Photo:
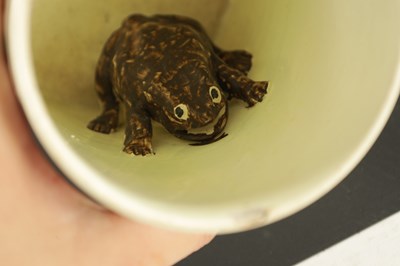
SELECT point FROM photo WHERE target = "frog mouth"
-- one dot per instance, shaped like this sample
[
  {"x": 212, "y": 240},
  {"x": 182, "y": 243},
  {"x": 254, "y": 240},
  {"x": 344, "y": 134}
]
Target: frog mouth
[
  {"x": 208, "y": 129},
  {"x": 208, "y": 133}
]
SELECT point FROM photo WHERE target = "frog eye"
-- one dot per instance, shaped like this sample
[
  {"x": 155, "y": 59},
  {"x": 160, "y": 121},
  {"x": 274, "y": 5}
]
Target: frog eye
[
  {"x": 181, "y": 112},
  {"x": 215, "y": 94}
]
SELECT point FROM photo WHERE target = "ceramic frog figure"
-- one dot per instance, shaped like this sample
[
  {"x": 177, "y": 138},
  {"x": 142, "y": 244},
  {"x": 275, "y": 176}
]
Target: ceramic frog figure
[{"x": 165, "y": 68}]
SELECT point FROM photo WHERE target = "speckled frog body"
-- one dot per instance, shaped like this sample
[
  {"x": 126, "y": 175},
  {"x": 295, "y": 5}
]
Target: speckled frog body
[{"x": 165, "y": 68}]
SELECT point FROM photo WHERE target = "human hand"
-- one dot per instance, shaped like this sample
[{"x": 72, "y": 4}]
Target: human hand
[{"x": 44, "y": 221}]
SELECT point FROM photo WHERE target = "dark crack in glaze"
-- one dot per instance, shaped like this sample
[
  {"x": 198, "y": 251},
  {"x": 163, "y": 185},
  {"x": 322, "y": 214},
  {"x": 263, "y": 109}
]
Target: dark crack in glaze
[{"x": 167, "y": 69}]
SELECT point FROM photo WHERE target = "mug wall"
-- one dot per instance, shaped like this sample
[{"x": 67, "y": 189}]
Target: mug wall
[{"x": 331, "y": 66}]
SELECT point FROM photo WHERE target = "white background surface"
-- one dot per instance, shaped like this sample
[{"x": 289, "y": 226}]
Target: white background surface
[{"x": 376, "y": 245}]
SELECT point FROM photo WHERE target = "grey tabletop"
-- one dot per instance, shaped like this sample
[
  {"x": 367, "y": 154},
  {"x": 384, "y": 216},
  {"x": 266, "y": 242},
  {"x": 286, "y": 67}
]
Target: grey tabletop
[{"x": 368, "y": 195}]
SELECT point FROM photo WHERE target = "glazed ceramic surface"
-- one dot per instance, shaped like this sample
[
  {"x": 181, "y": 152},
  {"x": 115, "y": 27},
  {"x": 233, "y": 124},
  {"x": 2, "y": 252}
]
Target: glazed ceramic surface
[{"x": 333, "y": 68}]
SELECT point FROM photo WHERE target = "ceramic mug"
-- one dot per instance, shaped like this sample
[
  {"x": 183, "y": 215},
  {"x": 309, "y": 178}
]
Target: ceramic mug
[{"x": 333, "y": 68}]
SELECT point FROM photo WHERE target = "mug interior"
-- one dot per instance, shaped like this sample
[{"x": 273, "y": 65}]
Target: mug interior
[{"x": 333, "y": 72}]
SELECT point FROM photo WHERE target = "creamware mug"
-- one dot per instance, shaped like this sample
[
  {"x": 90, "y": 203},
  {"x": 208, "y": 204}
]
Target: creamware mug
[{"x": 334, "y": 75}]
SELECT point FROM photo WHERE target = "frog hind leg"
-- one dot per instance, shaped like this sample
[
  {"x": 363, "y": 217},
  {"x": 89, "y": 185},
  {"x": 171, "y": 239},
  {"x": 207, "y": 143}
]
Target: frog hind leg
[
  {"x": 107, "y": 121},
  {"x": 237, "y": 59},
  {"x": 239, "y": 86}
]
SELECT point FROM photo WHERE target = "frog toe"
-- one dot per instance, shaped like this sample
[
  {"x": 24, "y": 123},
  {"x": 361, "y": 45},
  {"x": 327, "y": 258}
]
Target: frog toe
[
  {"x": 102, "y": 125},
  {"x": 139, "y": 147},
  {"x": 257, "y": 93}
]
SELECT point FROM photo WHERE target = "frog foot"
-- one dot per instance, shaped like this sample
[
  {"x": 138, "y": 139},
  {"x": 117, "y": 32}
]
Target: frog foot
[
  {"x": 141, "y": 146},
  {"x": 255, "y": 92},
  {"x": 105, "y": 123}
]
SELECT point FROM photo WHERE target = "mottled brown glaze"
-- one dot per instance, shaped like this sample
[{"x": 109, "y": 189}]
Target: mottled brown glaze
[{"x": 167, "y": 69}]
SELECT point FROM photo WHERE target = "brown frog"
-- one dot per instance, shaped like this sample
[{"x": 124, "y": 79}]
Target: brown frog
[{"x": 167, "y": 69}]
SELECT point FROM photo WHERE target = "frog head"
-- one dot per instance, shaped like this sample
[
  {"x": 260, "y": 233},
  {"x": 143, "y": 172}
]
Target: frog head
[
  {"x": 191, "y": 105},
  {"x": 201, "y": 120}
]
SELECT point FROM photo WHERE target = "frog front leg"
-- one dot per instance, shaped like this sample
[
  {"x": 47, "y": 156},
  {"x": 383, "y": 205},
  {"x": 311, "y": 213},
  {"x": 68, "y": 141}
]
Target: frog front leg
[
  {"x": 238, "y": 85},
  {"x": 138, "y": 132}
]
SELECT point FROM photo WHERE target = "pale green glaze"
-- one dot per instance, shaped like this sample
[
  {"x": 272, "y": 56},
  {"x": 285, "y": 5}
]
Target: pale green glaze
[{"x": 331, "y": 64}]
